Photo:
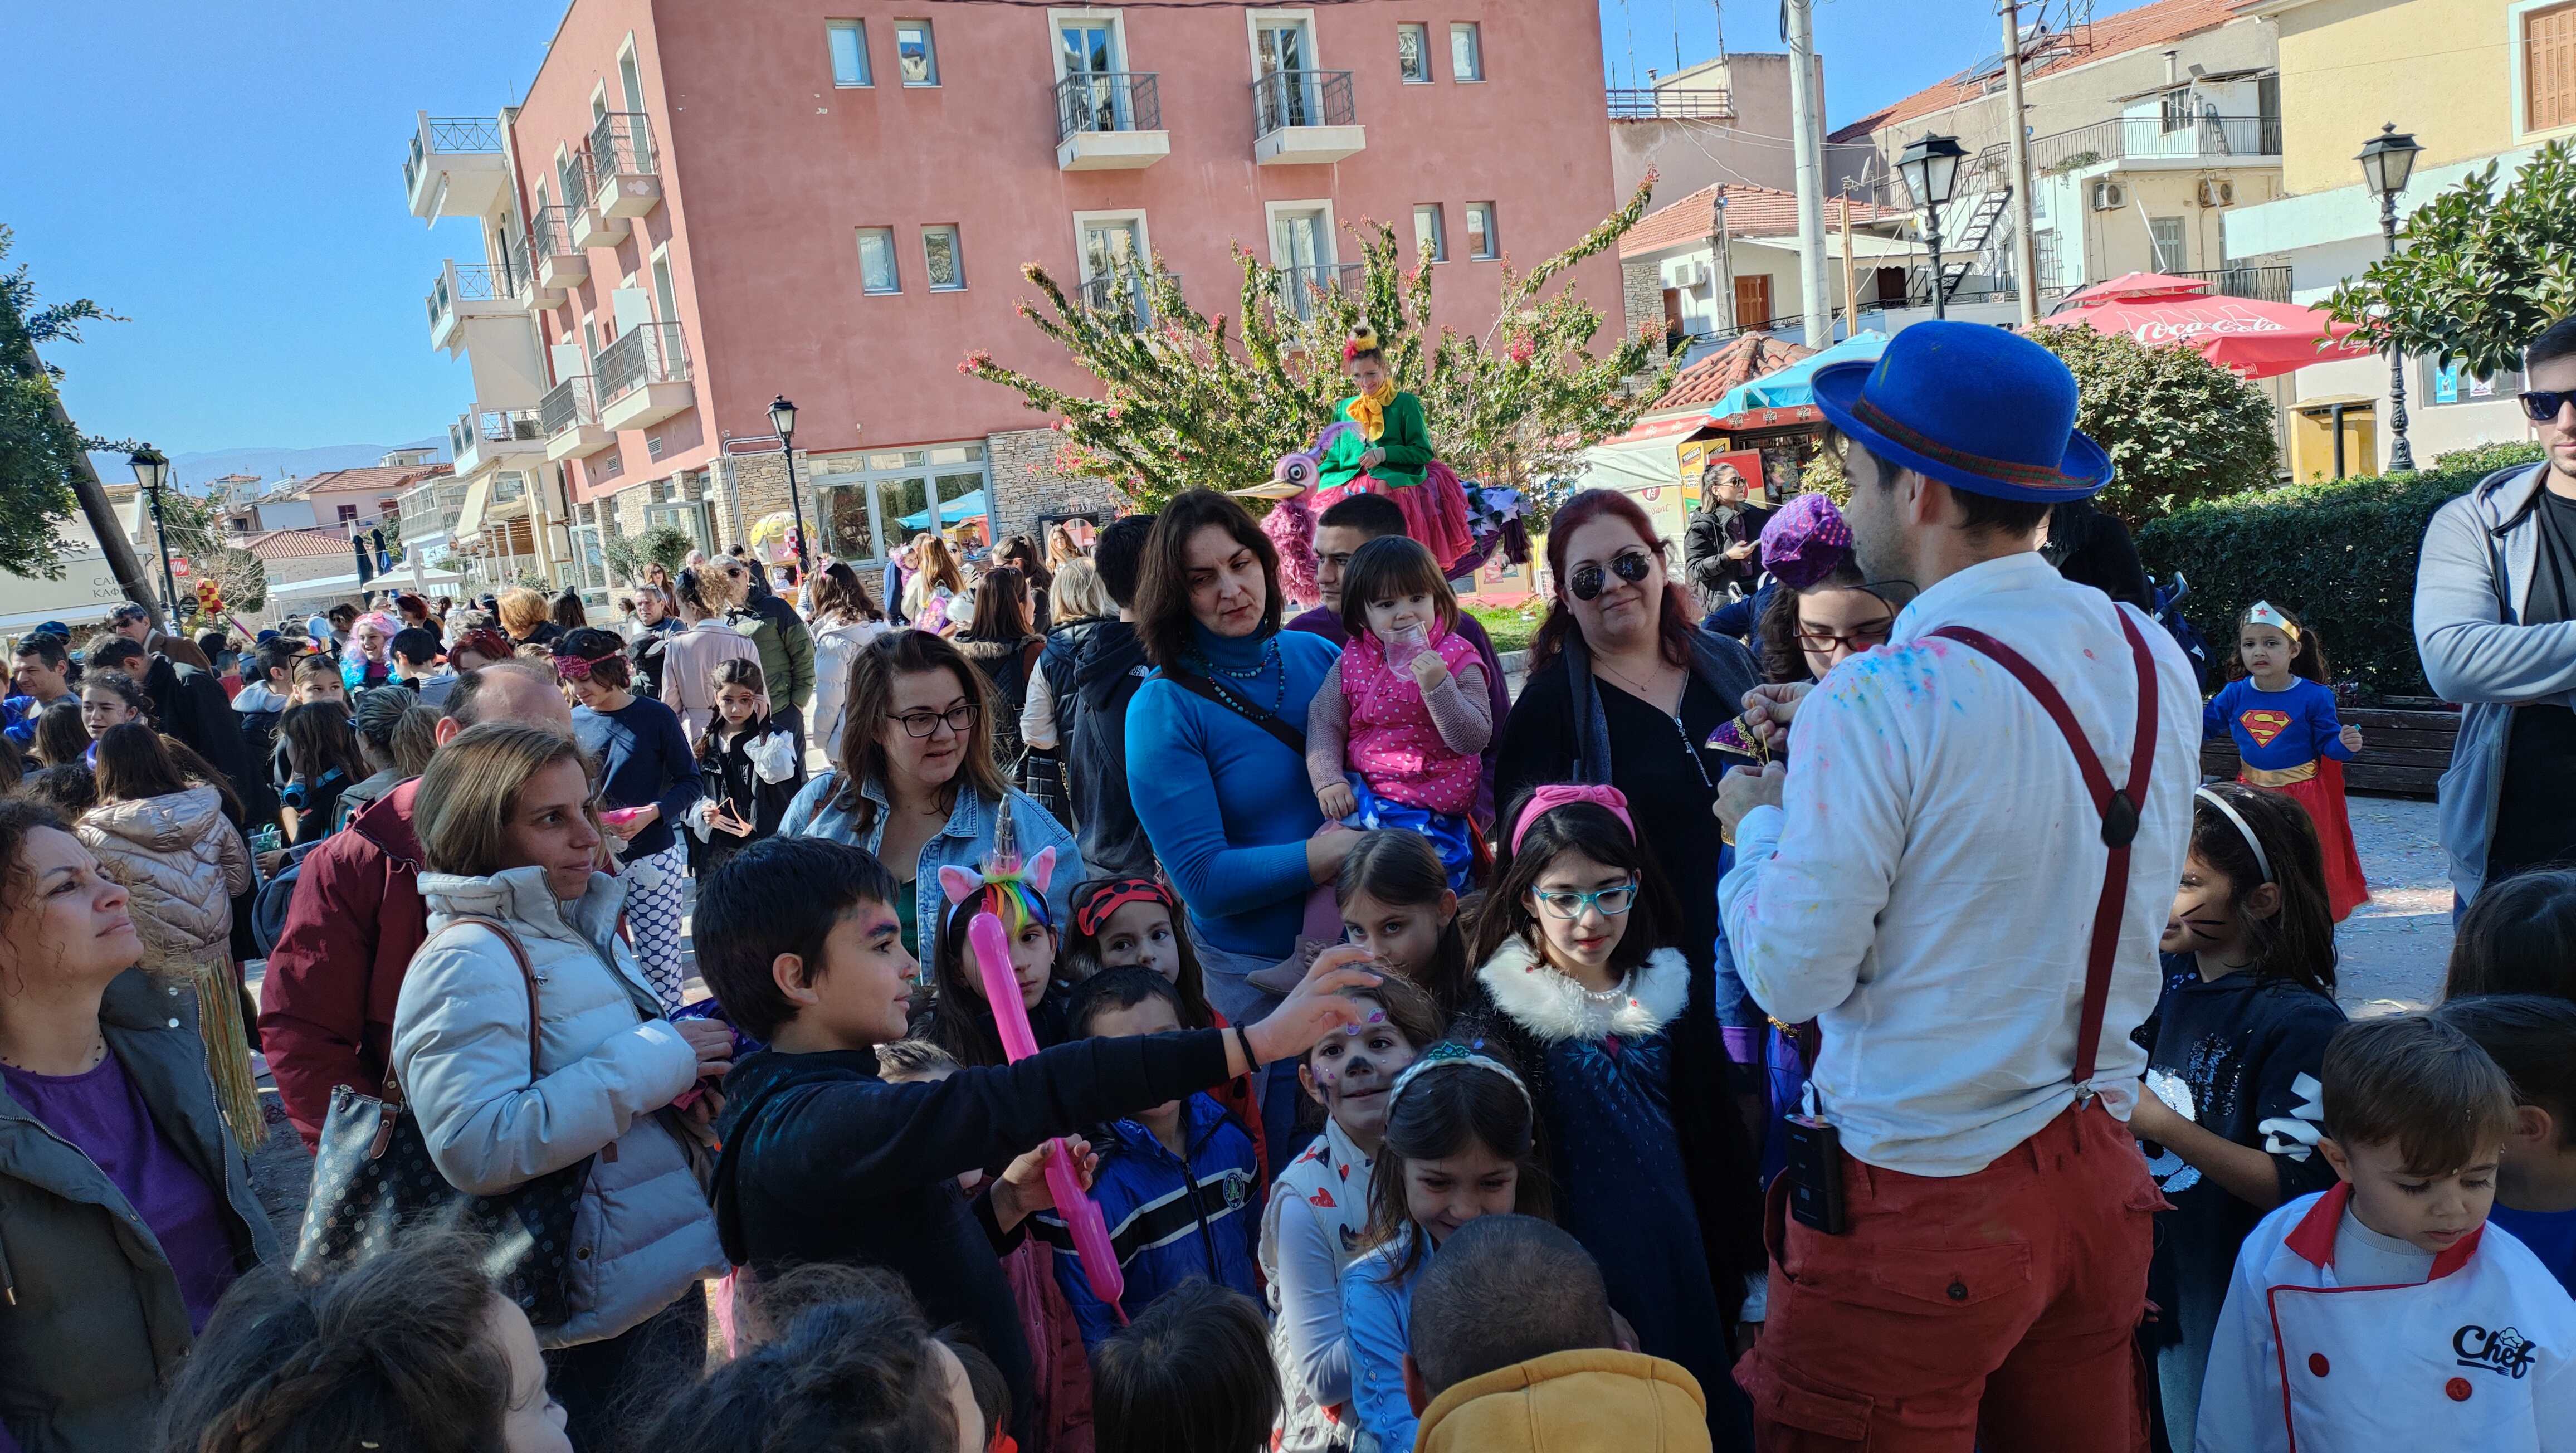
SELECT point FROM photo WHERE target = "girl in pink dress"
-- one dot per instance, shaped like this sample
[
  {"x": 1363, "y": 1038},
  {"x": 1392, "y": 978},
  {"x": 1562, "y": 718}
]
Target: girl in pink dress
[{"x": 1393, "y": 734}]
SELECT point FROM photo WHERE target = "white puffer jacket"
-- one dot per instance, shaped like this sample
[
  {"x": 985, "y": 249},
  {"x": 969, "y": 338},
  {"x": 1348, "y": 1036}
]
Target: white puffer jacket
[
  {"x": 835, "y": 647},
  {"x": 182, "y": 862},
  {"x": 606, "y": 1061}
]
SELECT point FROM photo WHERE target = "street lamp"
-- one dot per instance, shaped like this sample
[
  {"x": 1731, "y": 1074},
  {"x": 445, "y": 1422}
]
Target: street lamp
[
  {"x": 1930, "y": 166},
  {"x": 151, "y": 471},
  {"x": 2387, "y": 160},
  {"x": 782, "y": 417}
]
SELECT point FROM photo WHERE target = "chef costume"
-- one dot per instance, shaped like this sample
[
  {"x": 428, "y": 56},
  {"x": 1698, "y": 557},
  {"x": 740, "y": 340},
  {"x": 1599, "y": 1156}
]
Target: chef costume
[{"x": 2480, "y": 1356}]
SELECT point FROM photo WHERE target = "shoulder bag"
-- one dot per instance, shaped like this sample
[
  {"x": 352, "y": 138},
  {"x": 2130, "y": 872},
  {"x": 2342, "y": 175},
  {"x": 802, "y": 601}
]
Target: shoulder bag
[{"x": 373, "y": 1177}]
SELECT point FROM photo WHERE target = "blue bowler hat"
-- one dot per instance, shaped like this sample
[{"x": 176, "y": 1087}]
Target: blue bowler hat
[{"x": 1973, "y": 406}]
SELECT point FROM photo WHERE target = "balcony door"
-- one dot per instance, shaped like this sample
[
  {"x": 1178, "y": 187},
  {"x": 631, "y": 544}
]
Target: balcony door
[
  {"x": 1301, "y": 247},
  {"x": 1282, "y": 50},
  {"x": 1113, "y": 253},
  {"x": 1090, "y": 55}
]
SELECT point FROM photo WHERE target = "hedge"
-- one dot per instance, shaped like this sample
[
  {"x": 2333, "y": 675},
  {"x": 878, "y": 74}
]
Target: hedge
[{"x": 2340, "y": 553}]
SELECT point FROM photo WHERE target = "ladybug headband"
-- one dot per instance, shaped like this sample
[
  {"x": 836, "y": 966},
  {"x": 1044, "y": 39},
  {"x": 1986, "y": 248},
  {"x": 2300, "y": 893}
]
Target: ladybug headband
[
  {"x": 1363, "y": 339},
  {"x": 1092, "y": 912}
]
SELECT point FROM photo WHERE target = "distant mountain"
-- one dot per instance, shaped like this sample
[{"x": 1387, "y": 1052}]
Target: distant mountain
[{"x": 267, "y": 462}]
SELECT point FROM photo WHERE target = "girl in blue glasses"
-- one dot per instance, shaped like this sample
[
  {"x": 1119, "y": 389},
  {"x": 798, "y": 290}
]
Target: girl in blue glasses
[{"x": 1581, "y": 981}]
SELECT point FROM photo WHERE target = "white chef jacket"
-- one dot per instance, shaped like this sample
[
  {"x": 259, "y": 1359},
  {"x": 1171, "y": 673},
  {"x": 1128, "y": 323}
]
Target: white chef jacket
[{"x": 2481, "y": 1358}]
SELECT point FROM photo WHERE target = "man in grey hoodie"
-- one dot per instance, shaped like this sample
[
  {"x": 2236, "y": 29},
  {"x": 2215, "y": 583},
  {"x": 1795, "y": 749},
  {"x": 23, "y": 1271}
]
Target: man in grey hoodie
[{"x": 2495, "y": 621}]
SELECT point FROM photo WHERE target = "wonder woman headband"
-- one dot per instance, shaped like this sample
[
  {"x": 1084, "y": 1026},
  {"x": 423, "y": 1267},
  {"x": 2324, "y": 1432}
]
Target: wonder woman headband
[
  {"x": 2261, "y": 860},
  {"x": 2264, "y": 613},
  {"x": 1451, "y": 1052},
  {"x": 1107, "y": 898}
]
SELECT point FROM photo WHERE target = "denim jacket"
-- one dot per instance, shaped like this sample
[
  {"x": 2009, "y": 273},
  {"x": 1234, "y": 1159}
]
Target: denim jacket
[{"x": 963, "y": 843}]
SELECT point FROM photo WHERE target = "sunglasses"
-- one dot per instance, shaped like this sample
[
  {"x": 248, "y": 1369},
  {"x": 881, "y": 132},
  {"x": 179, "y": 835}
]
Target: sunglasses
[
  {"x": 2543, "y": 404},
  {"x": 1631, "y": 566}
]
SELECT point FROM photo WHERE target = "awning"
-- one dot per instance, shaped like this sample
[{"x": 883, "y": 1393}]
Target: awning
[
  {"x": 1789, "y": 387},
  {"x": 1664, "y": 428},
  {"x": 469, "y": 520},
  {"x": 964, "y": 507}
]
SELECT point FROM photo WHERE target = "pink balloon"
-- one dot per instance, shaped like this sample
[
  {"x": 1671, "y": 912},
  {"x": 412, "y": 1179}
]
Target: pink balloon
[{"x": 1081, "y": 1214}]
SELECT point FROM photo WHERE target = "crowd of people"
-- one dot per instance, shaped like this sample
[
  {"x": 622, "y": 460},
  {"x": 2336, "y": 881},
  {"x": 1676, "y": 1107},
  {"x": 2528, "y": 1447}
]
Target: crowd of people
[{"x": 1823, "y": 1007}]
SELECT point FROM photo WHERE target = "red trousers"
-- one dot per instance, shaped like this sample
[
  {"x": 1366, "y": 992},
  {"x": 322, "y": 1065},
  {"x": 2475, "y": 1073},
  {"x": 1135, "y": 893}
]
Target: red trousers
[{"x": 1991, "y": 1311}]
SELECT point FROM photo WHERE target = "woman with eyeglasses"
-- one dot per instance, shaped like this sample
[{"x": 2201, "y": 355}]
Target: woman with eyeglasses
[
  {"x": 1578, "y": 977},
  {"x": 1624, "y": 690},
  {"x": 915, "y": 782},
  {"x": 1819, "y": 612}
]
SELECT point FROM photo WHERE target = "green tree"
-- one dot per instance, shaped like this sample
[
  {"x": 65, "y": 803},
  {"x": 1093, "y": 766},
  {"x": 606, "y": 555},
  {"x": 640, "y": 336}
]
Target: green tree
[
  {"x": 663, "y": 545},
  {"x": 1189, "y": 399},
  {"x": 2178, "y": 427},
  {"x": 2482, "y": 270},
  {"x": 40, "y": 451}
]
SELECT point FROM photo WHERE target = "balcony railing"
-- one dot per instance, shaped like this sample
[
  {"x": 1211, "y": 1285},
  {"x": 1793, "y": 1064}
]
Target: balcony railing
[
  {"x": 449, "y": 133},
  {"x": 2263, "y": 284},
  {"x": 469, "y": 283},
  {"x": 2136, "y": 138},
  {"x": 550, "y": 234},
  {"x": 1712, "y": 104},
  {"x": 568, "y": 405},
  {"x": 620, "y": 145},
  {"x": 1107, "y": 101},
  {"x": 1126, "y": 290},
  {"x": 1283, "y": 99},
  {"x": 495, "y": 426},
  {"x": 649, "y": 353},
  {"x": 1301, "y": 287}
]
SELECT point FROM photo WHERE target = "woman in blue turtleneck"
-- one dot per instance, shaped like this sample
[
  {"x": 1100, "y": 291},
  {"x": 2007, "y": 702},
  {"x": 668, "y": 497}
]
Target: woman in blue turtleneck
[{"x": 1224, "y": 800}]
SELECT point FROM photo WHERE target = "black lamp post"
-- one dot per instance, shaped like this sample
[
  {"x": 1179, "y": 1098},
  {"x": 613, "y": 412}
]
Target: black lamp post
[
  {"x": 2387, "y": 160},
  {"x": 1930, "y": 166},
  {"x": 782, "y": 417},
  {"x": 151, "y": 471}
]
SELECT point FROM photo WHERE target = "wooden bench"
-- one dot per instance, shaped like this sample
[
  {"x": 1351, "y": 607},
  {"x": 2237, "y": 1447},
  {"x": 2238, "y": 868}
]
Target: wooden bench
[{"x": 2406, "y": 746}]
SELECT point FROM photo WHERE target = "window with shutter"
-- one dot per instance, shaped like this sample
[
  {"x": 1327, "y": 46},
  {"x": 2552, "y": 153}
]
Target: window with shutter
[{"x": 2549, "y": 68}]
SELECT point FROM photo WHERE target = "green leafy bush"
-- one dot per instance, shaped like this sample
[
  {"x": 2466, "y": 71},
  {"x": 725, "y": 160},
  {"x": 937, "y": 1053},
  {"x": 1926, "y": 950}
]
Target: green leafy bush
[
  {"x": 2341, "y": 553},
  {"x": 2178, "y": 427}
]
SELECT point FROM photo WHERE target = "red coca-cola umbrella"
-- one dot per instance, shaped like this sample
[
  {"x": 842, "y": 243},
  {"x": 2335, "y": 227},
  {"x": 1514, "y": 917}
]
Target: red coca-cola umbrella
[{"x": 2255, "y": 338}]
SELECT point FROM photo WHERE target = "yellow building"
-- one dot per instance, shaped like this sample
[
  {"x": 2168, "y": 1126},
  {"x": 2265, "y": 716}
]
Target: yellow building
[{"x": 2473, "y": 81}]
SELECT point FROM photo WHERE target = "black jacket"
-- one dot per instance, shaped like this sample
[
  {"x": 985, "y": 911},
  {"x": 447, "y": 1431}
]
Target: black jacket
[
  {"x": 1105, "y": 677},
  {"x": 1065, "y": 643},
  {"x": 731, "y": 779},
  {"x": 192, "y": 706},
  {"x": 1705, "y": 538},
  {"x": 824, "y": 1161},
  {"x": 1006, "y": 665}
]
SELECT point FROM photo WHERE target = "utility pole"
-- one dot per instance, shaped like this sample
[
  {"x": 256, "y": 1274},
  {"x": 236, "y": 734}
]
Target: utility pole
[
  {"x": 1851, "y": 294},
  {"x": 1721, "y": 287},
  {"x": 1797, "y": 18},
  {"x": 2025, "y": 248}
]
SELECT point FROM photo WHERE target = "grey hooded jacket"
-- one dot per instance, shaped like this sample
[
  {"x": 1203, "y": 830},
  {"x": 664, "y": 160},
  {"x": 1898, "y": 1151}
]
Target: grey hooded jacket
[
  {"x": 2471, "y": 585},
  {"x": 607, "y": 1063},
  {"x": 92, "y": 1326}
]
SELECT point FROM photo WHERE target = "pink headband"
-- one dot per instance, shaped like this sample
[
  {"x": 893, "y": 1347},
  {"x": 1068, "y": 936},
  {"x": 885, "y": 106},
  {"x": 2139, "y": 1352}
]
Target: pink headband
[{"x": 1547, "y": 799}]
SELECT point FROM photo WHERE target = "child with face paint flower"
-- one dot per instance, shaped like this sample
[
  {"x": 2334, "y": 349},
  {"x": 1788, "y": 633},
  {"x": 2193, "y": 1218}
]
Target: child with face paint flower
[{"x": 1317, "y": 1220}]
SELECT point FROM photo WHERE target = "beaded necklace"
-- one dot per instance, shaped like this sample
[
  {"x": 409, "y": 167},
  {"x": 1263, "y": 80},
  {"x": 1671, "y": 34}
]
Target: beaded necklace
[{"x": 1269, "y": 660}]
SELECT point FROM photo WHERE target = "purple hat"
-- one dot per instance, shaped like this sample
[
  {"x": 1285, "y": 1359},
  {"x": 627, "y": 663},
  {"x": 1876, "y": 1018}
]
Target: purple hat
[{"x": 1805, "y": 541}]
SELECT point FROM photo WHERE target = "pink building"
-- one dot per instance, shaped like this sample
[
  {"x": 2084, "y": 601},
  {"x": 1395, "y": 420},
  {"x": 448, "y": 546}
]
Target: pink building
[{"x": 702, "y": 206}]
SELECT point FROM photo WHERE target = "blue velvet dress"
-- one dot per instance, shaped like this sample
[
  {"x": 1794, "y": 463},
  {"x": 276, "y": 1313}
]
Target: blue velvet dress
[{"x": 1602, "y": 1071}]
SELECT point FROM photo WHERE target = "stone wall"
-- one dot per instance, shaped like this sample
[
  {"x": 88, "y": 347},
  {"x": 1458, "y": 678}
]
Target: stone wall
[
  {"x": 1026, "y": 486},
  {"x": 1641, "y": 287}
]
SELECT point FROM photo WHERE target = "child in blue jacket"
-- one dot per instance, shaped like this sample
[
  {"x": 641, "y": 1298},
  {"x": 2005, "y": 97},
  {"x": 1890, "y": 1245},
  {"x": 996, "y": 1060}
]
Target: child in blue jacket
[{"x": 1178, "y": 1184}]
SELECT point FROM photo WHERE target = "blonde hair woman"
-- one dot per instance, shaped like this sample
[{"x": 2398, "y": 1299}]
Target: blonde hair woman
[
  {"x": 526, "y": 615},
  {"x": 509, "y": 840},
  {"x": 935, "y": 577}
]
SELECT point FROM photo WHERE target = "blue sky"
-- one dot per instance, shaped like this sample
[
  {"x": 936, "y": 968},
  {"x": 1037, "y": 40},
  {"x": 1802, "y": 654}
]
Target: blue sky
[{"x": 228, "y": 177}]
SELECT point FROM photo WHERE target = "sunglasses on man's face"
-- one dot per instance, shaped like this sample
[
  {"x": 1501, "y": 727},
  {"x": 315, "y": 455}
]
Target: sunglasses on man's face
[
  {"x": 2543, "y": 404},
  {"x": 1631, "y": 566}
]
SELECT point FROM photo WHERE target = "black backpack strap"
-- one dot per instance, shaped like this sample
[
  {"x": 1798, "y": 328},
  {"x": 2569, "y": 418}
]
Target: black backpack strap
[{"x": 1192, "y": 682}]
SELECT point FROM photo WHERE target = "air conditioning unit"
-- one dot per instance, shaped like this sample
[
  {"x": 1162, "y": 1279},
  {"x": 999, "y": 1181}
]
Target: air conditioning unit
[
  {"x": 2109, "y": 196},
  {"x": 2216, "y": 193},
  {"x": 1691, "y": 275}
]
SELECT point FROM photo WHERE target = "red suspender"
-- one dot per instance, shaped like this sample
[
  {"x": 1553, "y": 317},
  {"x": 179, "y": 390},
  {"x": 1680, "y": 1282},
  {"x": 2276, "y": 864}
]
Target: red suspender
[{"x": 2119, "y": 810}]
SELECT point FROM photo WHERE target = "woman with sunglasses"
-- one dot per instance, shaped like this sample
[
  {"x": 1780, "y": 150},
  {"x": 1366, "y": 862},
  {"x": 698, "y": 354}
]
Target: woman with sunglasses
[
  {"x": 915, "y": 783},
  {"x": 1580, "y": 980},
  {"x": 1625, "y": 691}
]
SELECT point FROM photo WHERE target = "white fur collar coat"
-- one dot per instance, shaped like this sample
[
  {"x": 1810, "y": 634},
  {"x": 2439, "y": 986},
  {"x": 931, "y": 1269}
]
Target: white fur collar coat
[{"x": 1551, "y": 1006}]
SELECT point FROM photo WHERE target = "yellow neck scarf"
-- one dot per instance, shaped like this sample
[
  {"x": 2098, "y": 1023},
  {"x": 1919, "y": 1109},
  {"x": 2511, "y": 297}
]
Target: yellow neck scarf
[{"x": 1368, "y": 410}]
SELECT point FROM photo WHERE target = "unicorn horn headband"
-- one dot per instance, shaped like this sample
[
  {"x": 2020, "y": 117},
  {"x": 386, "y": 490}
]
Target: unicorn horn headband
[{"x": 2264, "y": 613}]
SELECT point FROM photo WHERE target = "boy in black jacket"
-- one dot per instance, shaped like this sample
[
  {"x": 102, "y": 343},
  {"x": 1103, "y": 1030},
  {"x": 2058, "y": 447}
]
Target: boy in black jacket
[{"x": 825, "y": 1161}]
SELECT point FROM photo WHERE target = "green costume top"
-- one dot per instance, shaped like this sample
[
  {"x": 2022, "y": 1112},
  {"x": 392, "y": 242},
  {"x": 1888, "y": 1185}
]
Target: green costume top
[{"x": 1406, "y": 442}]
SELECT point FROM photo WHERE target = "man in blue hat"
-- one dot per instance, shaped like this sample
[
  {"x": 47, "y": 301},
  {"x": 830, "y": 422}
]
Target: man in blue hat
[{"x": 1961, "y": 874}]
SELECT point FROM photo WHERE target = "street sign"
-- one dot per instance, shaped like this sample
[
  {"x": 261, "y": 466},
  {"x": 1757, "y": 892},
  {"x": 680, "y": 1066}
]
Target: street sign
[{"x": 178, "y": 564}]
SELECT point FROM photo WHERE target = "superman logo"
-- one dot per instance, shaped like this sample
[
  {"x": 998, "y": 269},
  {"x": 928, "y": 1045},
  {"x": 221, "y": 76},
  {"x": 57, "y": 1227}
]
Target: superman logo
[{"x": 2263, "y": 724}]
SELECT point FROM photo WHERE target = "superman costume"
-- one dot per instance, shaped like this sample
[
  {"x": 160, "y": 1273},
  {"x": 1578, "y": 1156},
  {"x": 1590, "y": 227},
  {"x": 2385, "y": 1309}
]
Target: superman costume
[{"x": 2291, "y": 742}]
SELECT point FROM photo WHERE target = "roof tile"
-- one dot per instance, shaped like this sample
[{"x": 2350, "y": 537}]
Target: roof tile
[
  {"x": 1751, "y": 211},
  {"x": 1748, "y": 357}
]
